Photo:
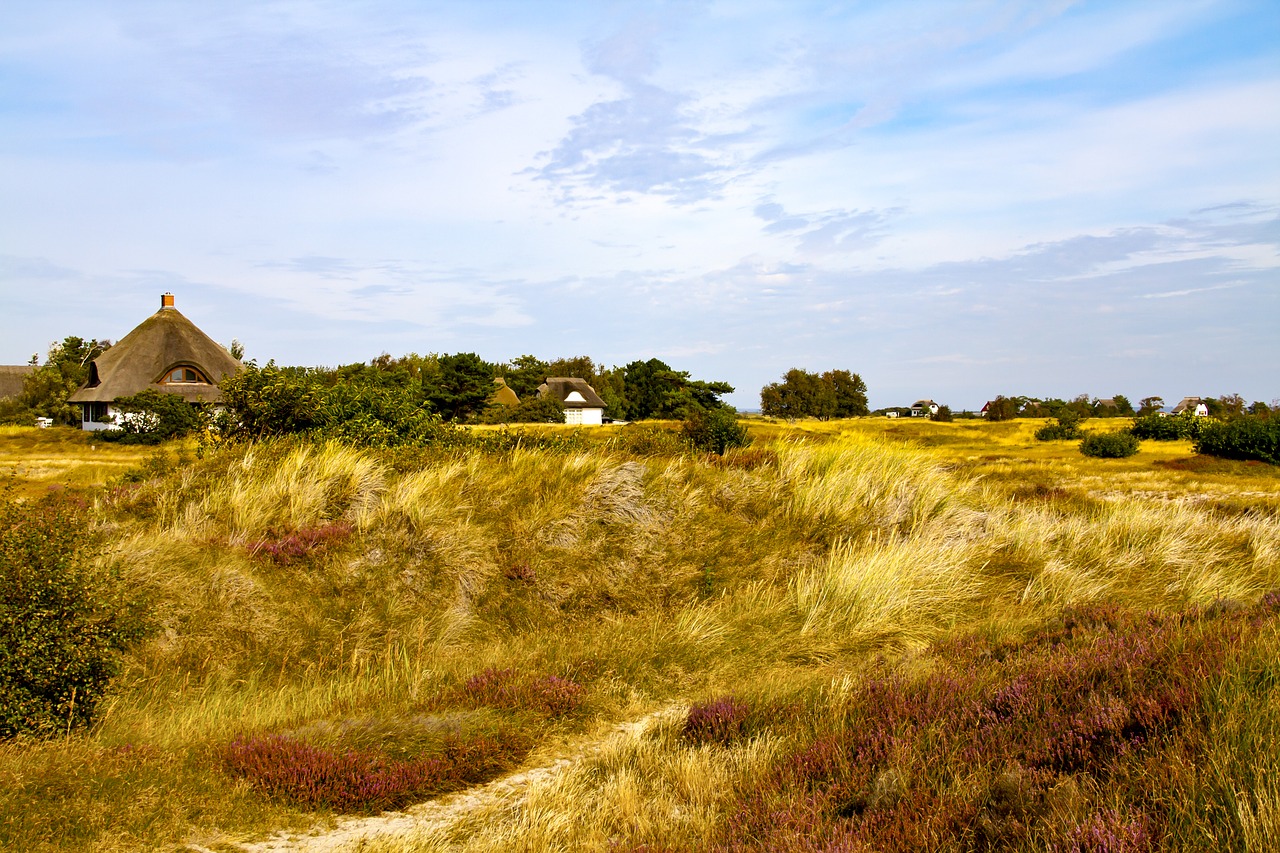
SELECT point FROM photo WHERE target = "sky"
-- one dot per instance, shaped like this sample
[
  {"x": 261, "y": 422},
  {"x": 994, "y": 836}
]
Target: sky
[{"x": 952, "y": 199}]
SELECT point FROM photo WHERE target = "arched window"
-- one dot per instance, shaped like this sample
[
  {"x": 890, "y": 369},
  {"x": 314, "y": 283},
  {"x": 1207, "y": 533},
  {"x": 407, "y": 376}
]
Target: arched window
[{"x": 183, "y": 374}]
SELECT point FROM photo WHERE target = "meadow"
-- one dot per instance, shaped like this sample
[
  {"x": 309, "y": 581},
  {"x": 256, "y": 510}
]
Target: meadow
[{"x": 863, "y": 635}]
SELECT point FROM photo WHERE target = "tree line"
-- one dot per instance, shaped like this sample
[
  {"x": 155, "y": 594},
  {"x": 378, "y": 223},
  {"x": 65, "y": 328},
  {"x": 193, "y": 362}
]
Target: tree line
[{"x": 1004, "y": 408}]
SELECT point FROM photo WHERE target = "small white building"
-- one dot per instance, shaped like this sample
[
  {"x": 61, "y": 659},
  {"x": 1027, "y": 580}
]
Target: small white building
[{"x": 582, "y": 405}]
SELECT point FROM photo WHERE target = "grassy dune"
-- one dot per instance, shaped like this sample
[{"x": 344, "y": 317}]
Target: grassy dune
[{"x": 882, "y": 629}]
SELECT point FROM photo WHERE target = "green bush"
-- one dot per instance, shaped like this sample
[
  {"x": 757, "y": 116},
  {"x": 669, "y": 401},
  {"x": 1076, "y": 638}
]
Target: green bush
[
  {"x": 62, "y": 622},
  {"x": 1066, "y": 429},
  {"x": 715, "y": 430},
  {"x": 151, "y": 417},
  {"x": 1242, "y": 438},
  {"x": 1169, "y": 427},
  {"x": 1109, "y": 445}
]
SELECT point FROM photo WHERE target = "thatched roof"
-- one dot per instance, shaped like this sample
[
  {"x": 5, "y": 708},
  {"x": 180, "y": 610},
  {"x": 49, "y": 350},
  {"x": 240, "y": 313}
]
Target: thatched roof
[
  {"x": 144, "y": 358},
  {"x": 1187, "y": 403},
  {"x": 503, "y": 395},
  {"x": 11, "y": 378},
  {"x": 561, "y": 387}
]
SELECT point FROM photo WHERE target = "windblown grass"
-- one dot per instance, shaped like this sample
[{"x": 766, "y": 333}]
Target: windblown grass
[{"x": 368, "y": 607}]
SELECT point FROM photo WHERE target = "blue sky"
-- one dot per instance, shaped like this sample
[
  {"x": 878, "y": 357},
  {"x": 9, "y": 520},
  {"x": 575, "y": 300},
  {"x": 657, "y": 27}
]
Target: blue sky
[{"x": 955, "y": 200}]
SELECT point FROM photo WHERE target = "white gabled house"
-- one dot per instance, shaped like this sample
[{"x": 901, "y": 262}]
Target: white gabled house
[
  {"x": 582, "y": 405},
  {"x": 923, "y": 408},
  {"x": 1195, "y": 405},
  {"x": 166, "y": 353}
]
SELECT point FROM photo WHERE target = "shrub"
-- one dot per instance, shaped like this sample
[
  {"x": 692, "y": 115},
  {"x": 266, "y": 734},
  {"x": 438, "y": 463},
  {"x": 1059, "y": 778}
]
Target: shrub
[
  {"x": 151, "y": 417},
  {"x": 717, "y": 721},
  {"x": 284, "y": 548},
  {"x": 62, "y": 622},
  {"x": 1169, "y": 428},
  {"x": 364, "y": 780},
  {"x": 534, "y": 410},
  {"x": 505, "y": 688},
  {"x": 715, "y": 430},
  {"x": 1109, "y": 445},
  {"x": 1066, "y": 429},
  {"x": 1101, "y": 696},
  {"x": 943, "y": 415},
  {"x": 1242, "y": 438}
]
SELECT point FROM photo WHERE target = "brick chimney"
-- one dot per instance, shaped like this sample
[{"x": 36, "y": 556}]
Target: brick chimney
[{"x": 166, "y": 300}]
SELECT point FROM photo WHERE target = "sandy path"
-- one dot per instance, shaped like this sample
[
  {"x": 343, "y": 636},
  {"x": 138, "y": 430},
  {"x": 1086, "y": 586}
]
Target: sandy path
[{"x": 440, "y": 813}]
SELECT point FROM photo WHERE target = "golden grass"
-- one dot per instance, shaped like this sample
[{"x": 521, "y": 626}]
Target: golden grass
[
  {"x": 651, "y": 580},
  {"x": 38, "y": 460}
]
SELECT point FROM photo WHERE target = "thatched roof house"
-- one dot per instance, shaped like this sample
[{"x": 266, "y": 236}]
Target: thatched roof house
[
  {"x": 12, "y": 377},
  {"x": 166, "y": 353},
  {"x": 503, "y": 394},
  {"x": 582, "y": 405},
  {"x": 1195, "y": 405}
]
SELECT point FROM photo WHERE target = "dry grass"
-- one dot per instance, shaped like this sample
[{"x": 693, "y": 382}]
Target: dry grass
[{"x": 775, "y": 574}]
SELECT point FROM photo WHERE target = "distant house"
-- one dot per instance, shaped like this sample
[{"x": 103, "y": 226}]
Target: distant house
[
  {"x": 1195, "y": 405},
  {"x": 166, "y": 353},
  {"x": 503, "y": 395},
  {"x": 582, "y": 405},
  {"x": 924, "y": 408},
  {"x": 12, "y": 377}
]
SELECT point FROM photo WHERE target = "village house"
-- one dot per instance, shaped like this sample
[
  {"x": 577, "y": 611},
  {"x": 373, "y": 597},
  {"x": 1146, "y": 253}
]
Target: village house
[
  {"x": 923, "y": 408},
  {"x": 166, "y": 353},
  {"x": 582, "y": 405},
  {"x": 1195, "y": 405}
]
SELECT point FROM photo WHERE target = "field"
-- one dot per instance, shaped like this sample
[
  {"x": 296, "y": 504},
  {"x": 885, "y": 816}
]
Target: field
[{"x": 863, "y": 635}]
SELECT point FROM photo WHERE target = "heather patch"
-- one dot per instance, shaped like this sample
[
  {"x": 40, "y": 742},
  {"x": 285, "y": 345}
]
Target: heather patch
[
  {"x": 510, "y": 690},
  {"x": 1054, "y": 742},
  {"x": 365, "y": 780},
  {"x": 285, "y": 547}
]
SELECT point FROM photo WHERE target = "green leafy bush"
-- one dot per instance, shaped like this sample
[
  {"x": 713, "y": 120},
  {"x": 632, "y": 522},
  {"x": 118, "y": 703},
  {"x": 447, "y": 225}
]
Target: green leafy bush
[
  {"x": 151, "y": 417},
  {"x": 1109, "y": 445},
  {"x": 1066, "y": 429},
  {"x": 533, "y": 410},
  {"x": 1242, "y": 438},
  {"x": 715, "y": 430},
  {"x": 1155, "y": 427},
  {"x": 62, "y": 622}
]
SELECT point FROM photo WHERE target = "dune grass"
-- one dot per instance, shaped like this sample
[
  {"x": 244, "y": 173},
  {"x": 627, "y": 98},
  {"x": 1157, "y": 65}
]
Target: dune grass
[{"x": 379, "y": 614}]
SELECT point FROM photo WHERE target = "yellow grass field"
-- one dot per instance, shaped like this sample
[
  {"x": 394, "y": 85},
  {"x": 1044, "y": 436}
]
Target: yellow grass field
[{"x": 361, "y": 601}]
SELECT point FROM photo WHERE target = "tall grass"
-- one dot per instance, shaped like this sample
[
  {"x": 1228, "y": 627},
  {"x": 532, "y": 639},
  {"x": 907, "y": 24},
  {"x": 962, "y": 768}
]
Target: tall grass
[{"x": 767, "y": 578}]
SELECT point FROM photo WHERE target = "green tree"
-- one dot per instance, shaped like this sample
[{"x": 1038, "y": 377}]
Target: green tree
[
  {"x": 463, "y": 387},
  {"x": 1123, "y": 407},
  {"x": 652, "y": 389},
  {"x": 1233, "y": 406},
  {"x": 800, "y": 394},
  {"x": 525, "y": 374},
  {"x": 45, "y": 391},
  {"x": 943, "y": 415},
  {"x": 850, "y": 393},
  {"x": 1150, "y": 405},
  {"x": 1002, "y": 408}
]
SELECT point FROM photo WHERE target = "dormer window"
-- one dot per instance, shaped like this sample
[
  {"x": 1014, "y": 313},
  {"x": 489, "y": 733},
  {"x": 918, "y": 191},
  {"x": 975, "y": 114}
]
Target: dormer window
[{"x": 185, "y": 375}]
